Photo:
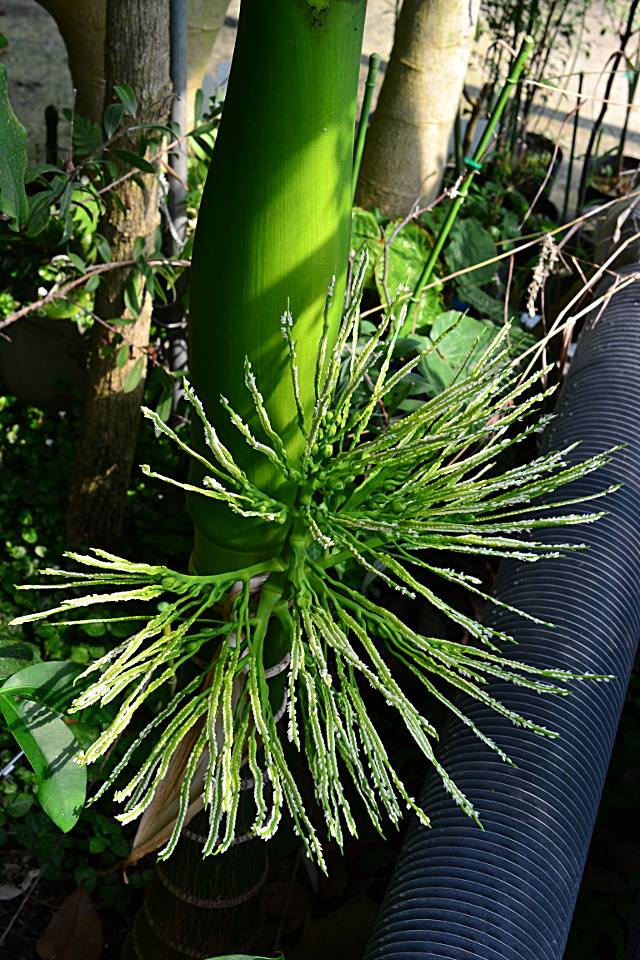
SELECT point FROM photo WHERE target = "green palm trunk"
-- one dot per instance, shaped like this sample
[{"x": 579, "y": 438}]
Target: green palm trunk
[{"x": 273, "y": 229}]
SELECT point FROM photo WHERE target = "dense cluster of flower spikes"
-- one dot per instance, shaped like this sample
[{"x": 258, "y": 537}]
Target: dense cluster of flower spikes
[{"x": 389, "y": 499}]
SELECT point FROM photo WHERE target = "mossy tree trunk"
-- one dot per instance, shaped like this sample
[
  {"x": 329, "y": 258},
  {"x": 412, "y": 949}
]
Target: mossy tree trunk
[
  {"x": 137, "y": 53},
  {"x": 406, "y": 150}
]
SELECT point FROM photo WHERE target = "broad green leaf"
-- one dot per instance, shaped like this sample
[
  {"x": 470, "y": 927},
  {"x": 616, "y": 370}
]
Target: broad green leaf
[
  {"x": 134, "y": 375},
  {"x": 123, "y": 354},
  {"x": 470, "y": 243},
  {"x": 34, "y": 173},
  {"x": 198, "y": 108},
  {"x": 132, "y": 292},
  {"x": 77, "y": 262},
  {"x": 398, "y": 270},
  {"x": 14, "y": 656},
  {"x": 17, "y": 804},
  {"x": 133, "y": 160},
  {"x": 70, "y": 308},
  {"x": 460, "y": 349},
  {"x": 13, "y": 157},
  {"x": 113, "y": 118},
  {"x": 481, "y": 301},
  {"x": 50, "y": 747},
  {"x": 127, "y": 97},
  {"x": 49, "y": 683},
  {"x": 164, "y": 407},
  {"x": 104, "y": 247},
  {"x": 457, "y": 351},
  {"x": 39, "y": 211}
]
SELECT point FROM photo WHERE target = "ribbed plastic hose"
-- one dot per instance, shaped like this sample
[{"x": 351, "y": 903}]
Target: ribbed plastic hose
[{"x": 509, "y": 892}]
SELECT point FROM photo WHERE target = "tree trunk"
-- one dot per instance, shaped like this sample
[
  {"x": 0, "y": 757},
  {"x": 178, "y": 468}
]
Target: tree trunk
[
  {"x": 205, "y": 19},
  {"x": 407, "y": 145},
  {"x": 82, "y": 25},
  {"x": 137, "y": 53}
]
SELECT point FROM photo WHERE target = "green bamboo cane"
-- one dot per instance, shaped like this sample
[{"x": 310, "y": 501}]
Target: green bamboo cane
[
  {"x": 361, "y": 136},
  {"x": 475, "y": 165},
  {"x": 273, "y": 229}
]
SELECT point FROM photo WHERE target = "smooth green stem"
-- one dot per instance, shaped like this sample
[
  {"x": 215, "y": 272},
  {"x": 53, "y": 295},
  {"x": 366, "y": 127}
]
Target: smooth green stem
[
  {"x": 274, "y": 565},
  {"x": 475, "y": 164},
  {"x": 274, "y": 228},
  {"x": 530, "y": 29},
  {"x": 361, "y": 136},
  {"x": 270, "y": 595}
]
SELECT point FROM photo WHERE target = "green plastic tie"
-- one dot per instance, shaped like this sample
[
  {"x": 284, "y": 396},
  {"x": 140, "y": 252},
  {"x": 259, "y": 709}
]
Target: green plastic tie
[{"x": 474, "y": 164}]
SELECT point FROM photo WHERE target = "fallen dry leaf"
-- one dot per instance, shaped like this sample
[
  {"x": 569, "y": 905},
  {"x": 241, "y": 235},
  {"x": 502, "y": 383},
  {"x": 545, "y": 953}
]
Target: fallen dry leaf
[{"x": 74, "y": 932}]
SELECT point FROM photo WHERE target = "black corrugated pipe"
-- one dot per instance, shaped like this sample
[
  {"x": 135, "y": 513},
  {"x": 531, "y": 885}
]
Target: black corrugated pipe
[{"x": 509, "y": 892}]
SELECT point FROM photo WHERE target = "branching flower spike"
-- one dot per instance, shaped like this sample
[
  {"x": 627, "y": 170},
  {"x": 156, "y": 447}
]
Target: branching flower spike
[{"x": 289, "y": 645}]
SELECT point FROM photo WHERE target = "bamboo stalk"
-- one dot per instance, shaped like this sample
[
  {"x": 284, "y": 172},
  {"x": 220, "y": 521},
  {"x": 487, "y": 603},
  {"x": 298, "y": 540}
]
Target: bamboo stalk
[
  {"x": 361, "y": 136},
  {"x": 475, "y": 164},
  {"x": 530, "y": 30}
]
